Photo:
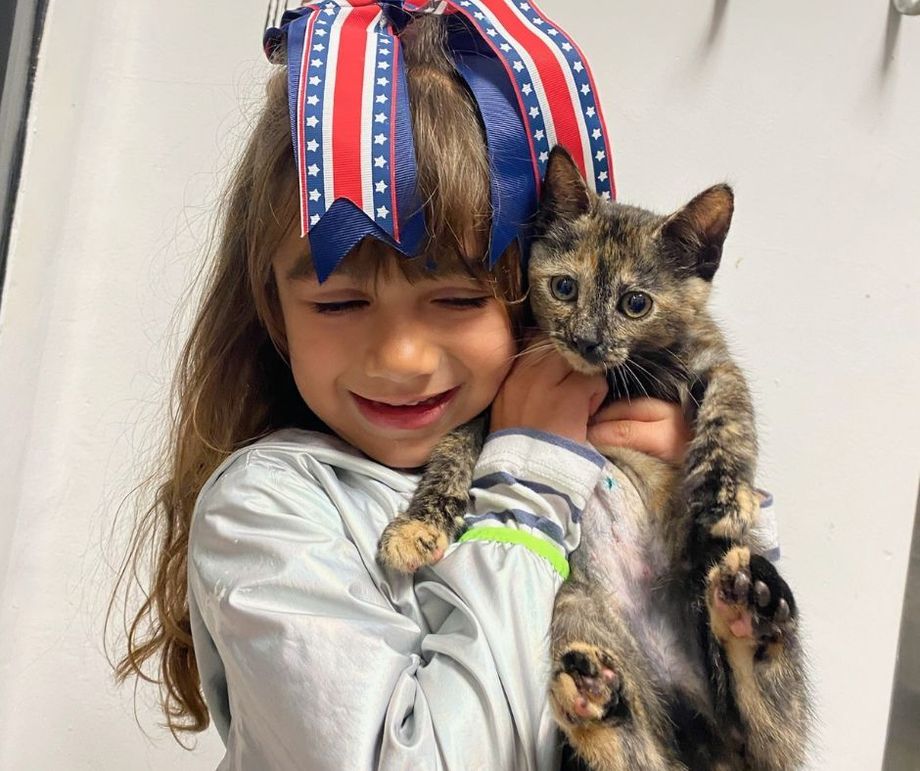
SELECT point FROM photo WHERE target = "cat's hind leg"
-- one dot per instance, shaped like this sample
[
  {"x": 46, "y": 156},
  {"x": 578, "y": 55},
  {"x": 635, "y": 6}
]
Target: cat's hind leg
[
  {"x": 601, "y": 693},
  {"x": 753, "y": 616}
]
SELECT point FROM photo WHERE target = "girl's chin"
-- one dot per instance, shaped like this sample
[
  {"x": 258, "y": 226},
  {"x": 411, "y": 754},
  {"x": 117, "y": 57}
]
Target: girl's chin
[
  {"x": 401, "y": 456},
  {"x": 401, "y": 450}
]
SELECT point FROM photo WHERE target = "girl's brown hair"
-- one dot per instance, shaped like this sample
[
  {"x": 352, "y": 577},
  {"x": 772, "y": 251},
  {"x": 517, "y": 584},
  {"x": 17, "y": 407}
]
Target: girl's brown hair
[{"x": 232, "y": 384}]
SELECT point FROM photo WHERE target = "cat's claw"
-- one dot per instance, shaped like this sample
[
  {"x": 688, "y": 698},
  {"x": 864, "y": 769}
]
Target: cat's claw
[
  {"x": 742, "y": 584},
  {"x": 782, "y": 612}
]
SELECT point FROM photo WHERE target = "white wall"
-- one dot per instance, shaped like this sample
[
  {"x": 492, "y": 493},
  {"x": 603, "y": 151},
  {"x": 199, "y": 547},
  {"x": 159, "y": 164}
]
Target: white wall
[{"x": 811, "y": 110}]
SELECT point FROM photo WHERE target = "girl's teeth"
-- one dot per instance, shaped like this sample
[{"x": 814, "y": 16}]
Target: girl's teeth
[{"x": 430, "y": 400}]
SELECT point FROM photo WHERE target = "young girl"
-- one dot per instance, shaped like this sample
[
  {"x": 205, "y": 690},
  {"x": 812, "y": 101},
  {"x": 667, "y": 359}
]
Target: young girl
[{"x": 305, "y": 411}]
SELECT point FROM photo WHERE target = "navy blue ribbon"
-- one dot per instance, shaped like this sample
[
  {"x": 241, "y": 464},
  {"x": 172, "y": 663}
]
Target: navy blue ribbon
[{"x": 530, "y": 82}]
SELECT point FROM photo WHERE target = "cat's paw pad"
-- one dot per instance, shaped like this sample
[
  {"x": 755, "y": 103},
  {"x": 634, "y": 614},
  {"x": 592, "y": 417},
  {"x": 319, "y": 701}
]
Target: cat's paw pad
[
  {"x": 748, "y": 600},
  {"x": 408, "y": 544},
  {"x": 586, "y": 686}
]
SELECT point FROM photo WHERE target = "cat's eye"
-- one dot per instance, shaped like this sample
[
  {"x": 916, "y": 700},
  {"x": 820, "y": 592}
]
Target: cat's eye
[
  {"x": 564, "y": 288},
  {"x": 635, "y": 304}
]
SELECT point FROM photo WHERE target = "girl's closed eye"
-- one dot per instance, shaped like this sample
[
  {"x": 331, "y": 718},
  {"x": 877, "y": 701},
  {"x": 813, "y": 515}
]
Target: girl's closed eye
[
  {"x": 461, "y": 296},
  {"x": 462, "y": 303},
  {"x": 340, "y": 306}
]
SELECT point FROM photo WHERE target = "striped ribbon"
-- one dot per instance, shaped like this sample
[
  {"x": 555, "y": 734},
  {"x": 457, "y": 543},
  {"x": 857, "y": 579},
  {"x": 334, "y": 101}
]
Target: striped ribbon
[{"x": 351, "y": 125}]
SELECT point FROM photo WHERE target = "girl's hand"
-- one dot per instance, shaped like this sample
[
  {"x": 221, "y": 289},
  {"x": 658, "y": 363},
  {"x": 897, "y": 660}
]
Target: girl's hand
[
  {"x": 544, "y": 393},
  {"x": 651, "y": 426}
]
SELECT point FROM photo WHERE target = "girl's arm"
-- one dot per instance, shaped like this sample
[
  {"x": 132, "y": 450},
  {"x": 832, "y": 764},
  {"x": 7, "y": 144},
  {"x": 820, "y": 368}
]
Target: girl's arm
[{"x": 312, "y": 658}]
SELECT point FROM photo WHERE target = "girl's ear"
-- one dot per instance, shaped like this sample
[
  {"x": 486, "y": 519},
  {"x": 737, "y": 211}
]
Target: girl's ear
[
  {"x": 696, "y": 232},
  {"x": 565, "y": 194}
]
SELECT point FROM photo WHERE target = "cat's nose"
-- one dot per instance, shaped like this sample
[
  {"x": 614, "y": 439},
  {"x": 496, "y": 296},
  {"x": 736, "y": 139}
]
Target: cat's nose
[{"x": 591, "y": 350}]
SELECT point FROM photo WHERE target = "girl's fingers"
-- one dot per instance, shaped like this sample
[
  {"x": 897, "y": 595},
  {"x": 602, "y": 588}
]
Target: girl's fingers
[
  {"x": 543, "y": 392},
  {"x": 631, "y": 434},
  {"x": 640, "y": 409},
  {"x": 665, "y": 439}
]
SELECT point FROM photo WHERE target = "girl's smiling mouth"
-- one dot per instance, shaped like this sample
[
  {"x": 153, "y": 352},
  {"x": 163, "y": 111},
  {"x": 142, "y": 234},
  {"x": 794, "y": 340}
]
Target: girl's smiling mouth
[{"x": 408, "y": 414}]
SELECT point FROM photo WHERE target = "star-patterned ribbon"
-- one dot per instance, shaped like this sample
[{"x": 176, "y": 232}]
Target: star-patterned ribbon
[{"x": 351, "y": 125}]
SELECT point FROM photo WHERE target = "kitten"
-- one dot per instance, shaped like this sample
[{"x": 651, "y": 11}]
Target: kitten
[
  {"x": 674, "y": 641},
  {"x": 677, "y": 647}
]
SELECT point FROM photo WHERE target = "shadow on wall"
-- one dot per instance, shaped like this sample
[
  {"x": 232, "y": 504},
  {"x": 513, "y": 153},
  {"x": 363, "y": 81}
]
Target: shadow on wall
[
  {"x": 891, "y": 41},
  {"x": 716, "y": 22}
]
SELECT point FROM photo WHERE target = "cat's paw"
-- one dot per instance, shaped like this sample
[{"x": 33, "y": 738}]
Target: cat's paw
[
  {"x": 409, "y": 544},
  {"x": 586, "y": 686},
  {"x": 750, "y": 605}
]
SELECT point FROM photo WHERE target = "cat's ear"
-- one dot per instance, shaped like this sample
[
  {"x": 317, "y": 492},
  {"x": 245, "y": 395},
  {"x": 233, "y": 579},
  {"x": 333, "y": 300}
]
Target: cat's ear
[
  {"x": 699, "y": 229},
  {"x": 565, "y": 193}
]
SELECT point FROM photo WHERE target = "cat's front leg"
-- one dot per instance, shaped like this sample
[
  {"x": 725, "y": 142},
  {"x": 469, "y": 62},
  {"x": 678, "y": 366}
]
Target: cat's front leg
[
  {"x": 719, "y": 468},
  {"x": 420, "y": 535},
  {"x": 601, "y": 694},
  {"x": 753, "y": 617}
]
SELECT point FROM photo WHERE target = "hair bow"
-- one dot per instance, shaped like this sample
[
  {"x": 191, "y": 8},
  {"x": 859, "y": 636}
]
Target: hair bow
[{"x": 352, "y": 131}]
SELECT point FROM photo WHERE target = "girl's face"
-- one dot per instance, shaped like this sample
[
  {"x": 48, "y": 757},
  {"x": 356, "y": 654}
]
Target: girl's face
[{"x": 392, "y": 366}]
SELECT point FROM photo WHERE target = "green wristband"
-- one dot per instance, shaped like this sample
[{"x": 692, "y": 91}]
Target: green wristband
[{"x": 509, "y": 535}]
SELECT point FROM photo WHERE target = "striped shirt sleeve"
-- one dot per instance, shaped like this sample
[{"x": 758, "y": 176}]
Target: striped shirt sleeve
[
  {"x": 529, "y": 489},
  {"x": 765, "y": 532}
]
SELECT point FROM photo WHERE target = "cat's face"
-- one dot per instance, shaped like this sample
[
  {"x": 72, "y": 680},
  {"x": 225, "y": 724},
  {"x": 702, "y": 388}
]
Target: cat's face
[{"x": 608, "y": 280}]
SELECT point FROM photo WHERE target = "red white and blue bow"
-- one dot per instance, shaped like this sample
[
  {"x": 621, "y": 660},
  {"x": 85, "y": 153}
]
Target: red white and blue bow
[{"x": 352, "y": 129}]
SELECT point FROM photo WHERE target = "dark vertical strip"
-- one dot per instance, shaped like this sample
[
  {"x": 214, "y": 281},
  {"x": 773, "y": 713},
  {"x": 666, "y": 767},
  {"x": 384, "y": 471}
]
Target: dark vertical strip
[
  {"x": 7, "y": 16},
  {"x": 20, "y": 58},
  {"x": 902, "y": 747}
]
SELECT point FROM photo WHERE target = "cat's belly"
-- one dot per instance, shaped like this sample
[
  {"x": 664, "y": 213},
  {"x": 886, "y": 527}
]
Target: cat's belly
[{"x": 622, "y": 552}]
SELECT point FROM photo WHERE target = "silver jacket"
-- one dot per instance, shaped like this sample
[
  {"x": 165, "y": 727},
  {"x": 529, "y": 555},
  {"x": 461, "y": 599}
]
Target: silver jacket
[{"x": 312, "y": 657}]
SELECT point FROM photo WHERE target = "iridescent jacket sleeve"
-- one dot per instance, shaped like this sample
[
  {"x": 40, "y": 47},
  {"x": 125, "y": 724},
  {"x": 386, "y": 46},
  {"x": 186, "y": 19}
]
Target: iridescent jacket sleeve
[{"x": 312, "y": 657}]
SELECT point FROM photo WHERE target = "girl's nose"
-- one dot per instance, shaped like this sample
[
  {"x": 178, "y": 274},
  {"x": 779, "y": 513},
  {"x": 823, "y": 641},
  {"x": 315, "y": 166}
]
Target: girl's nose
[{"x": 402, "y": 351}]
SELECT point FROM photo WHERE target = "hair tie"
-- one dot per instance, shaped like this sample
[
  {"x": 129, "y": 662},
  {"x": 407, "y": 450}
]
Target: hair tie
[{"x": 352, "y": 130}]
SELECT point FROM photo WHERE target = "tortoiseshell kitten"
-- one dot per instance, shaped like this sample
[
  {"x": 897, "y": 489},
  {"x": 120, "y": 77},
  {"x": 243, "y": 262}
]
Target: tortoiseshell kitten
[{"x": 674, "y": 641}]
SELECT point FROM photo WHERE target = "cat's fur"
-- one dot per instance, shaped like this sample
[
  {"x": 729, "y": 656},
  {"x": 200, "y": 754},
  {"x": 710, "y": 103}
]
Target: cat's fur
[{"x": 688, "y": 657}]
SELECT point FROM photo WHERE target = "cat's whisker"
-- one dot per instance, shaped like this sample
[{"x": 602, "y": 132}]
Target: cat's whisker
[
  {"x": 651, "y": 375},
  {"x": 540, "y": 349},
  {"x": 544, "y": 348},
  {"x": 689, "y": 377},
  {"x": 684, "y": 367},
  {"x": 617, "y": 375},
  {"x": 635, "y": 377},
  {"x": 541, "y": 353},
  {"x": 686, "y": 372}
]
